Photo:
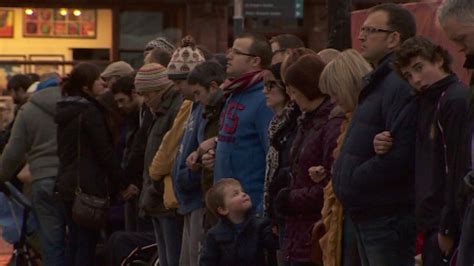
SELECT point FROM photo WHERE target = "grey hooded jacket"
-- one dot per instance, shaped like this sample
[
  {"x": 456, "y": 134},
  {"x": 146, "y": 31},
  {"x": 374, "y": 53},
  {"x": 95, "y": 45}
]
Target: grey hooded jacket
[{"x": 33, "y": 137}]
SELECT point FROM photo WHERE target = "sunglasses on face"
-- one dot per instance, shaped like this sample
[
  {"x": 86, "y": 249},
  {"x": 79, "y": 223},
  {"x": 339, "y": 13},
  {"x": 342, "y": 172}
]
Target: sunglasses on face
[{"x": 271, "y": 84}]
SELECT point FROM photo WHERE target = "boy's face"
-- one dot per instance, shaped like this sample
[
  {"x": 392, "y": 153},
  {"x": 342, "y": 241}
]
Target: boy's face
[
  {"x": 422, "y": 73},
  {"x": 236, "y": 201},
  {"x": 201, "y": 94}
]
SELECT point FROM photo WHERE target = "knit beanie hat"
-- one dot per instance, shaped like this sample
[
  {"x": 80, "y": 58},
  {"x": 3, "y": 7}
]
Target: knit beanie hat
[
  {"x": 160, "y": 42},
  {"x": 184, "y": 59},
  {"x": 119, "y": 68},
  {"x": 152, "y": 77}
]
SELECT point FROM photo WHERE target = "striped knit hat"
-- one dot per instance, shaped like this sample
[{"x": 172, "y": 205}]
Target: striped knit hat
[
  {"x": 152, "y": 77},
  {"x": 184, "y": 59}
]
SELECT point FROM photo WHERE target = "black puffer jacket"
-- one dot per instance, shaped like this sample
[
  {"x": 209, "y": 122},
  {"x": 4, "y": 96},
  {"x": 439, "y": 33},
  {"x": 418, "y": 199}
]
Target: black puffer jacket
[
  {"x": 362, "y": 180},
  {"x": 98, "y": 166}
]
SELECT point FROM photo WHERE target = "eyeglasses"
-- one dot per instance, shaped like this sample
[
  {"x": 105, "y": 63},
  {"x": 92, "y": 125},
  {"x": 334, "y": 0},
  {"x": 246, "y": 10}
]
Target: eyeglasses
[
  {"x": 233, "y": 51},
  {"x": 370, "y": 30}
]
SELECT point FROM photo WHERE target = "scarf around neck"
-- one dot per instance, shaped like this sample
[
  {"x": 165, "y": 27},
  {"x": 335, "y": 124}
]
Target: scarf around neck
[{"x": 241, "y": 83}]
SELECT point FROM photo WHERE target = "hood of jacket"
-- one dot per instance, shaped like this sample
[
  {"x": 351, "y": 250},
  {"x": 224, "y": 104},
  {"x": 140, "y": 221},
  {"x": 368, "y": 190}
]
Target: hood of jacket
[{"x": 47, "y": 99}]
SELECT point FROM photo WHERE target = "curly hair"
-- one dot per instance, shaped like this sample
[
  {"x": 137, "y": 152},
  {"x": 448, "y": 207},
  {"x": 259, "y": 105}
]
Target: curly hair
[{"x": 424, "y": 48}]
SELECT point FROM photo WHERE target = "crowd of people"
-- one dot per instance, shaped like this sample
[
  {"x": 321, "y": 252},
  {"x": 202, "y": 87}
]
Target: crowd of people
[{"x": 269, "y": 154}]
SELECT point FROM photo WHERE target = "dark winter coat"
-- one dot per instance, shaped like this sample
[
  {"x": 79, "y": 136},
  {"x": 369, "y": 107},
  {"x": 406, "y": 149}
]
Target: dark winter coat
[
  {"x": 135, "y": 159},
  {"x": 97, "y": 165},
  {"x": 368, "y": 184},
  {"x": 211, "y": 115},
  {"x": 435, "y": 190},
  {"x": 302, "y": 201},
  {"x": 131, "y": 127},
  {"x": 226, "y": 245},
  {"x": 151, "y": 197},
  {"x": 466, "y": 191}
]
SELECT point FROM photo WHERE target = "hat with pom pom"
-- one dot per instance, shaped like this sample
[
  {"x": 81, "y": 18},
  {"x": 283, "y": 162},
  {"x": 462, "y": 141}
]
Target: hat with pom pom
[{"x": 184, "y": 59}]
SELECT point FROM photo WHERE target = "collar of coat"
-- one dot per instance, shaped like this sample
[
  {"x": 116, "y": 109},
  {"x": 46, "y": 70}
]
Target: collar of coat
[
  {"x": 307, "y": 119},
  {"x": 225, "y": 230},
  {"x": 437, "y": 88},
  {"x": 469, "y": 63},
  {"x": 167, "y": 102},
  {"x": 382, "y": 70}
]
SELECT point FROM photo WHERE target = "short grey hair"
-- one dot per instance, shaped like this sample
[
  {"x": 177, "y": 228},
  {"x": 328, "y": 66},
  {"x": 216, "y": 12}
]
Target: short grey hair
[{"x": 463, "y": 10}]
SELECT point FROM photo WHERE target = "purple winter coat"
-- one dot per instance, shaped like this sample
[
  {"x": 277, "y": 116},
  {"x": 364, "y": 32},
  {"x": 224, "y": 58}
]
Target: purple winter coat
[{"x": 302, "y": 201}]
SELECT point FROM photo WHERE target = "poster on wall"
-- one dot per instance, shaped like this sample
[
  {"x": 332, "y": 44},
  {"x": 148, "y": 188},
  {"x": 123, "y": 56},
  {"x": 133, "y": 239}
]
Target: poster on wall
[
  {"x": 60, "y": 22},
  {"x": 11, "y": 68},
  {"x": 6, "y": 23},
  {"x": 41, "y": 69}
]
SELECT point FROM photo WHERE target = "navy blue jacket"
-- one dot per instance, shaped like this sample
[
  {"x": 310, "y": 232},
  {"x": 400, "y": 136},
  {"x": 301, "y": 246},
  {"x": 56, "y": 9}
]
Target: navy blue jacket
[
  {"x": 186, "y": 183},
  {"x": 229, "y": 246},
  {"x": 435, "y": 190},
  {"x": 366, "y": 182}
]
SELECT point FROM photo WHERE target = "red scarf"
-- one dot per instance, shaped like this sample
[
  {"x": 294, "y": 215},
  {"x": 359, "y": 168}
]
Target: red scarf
[{"x": 241, "y": 83}]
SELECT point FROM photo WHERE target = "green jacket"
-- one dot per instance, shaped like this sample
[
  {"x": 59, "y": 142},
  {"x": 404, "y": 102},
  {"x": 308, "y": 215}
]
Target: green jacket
[{"x": 151, "y": 197}]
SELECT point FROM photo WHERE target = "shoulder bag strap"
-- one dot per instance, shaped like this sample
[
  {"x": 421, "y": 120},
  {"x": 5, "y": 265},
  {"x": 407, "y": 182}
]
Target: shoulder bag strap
[{"x": 78, "y": 170}]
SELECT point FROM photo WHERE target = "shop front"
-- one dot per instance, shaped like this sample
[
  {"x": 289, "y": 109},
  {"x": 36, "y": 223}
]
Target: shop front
[{"x": 53, "y": 36}]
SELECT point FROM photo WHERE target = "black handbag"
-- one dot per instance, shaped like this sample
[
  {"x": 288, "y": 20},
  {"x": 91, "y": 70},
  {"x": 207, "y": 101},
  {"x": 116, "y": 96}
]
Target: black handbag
[{"x": 87, "y": 210}]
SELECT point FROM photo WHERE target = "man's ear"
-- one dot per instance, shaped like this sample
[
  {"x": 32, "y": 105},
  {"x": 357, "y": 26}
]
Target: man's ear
[
  {"x": 394, "y": 40},
  {"x": 213, "y": 87},
  {"x": 256, "y": 61},
  {"x": 222, "y": 211}
]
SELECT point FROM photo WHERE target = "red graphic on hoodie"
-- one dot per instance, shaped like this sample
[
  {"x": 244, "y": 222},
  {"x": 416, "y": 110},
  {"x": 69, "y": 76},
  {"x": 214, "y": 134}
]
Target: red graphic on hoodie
[{"x": 229, "y": 118}]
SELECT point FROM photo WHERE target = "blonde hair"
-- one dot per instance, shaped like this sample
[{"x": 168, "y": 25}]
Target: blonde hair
[
  {"x": 343, "y": 77},
  {"x": 328, "y": 54}
]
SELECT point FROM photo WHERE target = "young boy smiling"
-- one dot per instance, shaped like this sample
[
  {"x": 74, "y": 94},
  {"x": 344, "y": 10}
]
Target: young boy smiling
[{"x": 239, "y": 238}]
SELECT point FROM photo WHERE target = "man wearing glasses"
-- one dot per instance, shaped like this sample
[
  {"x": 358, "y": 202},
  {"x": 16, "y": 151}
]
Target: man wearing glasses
[
  {"x": 377, "y": 192},
  {"x": 282, "y": 45},
  {"x": 242, "y": 141}
]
